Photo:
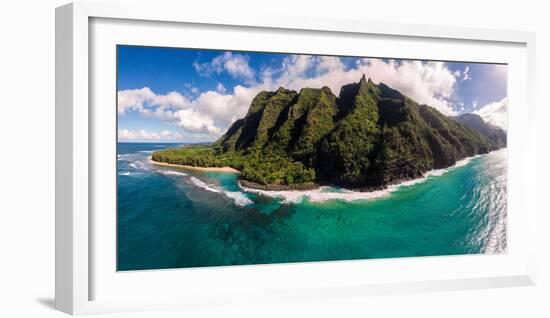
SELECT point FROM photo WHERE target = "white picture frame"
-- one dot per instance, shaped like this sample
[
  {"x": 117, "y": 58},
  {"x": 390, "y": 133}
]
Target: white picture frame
[{"x": 76, "y": 162}]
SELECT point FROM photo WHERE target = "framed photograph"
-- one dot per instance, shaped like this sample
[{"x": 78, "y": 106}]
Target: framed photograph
[{"x": 213, "y": 159}]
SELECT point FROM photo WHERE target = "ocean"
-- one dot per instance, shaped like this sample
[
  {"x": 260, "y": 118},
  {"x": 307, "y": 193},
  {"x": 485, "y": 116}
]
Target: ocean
[{"x": 175, "y": 218}]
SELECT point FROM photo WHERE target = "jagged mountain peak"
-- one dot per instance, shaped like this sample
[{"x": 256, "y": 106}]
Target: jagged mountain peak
[
  {"x": 363, "y": 80},
  {"x": 283, "y": 90}
]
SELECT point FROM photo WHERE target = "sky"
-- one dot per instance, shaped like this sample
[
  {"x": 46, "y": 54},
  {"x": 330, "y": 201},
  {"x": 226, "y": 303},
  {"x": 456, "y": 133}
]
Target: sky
[{"x": 194, "y": 95}]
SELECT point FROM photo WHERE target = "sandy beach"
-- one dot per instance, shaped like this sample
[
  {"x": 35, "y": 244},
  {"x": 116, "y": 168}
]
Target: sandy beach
[{"x": 217, "y": 169}]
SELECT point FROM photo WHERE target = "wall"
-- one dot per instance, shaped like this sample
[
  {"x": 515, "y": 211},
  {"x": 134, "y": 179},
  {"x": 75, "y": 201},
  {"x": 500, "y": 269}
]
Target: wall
[{"x": 27, "y": 160}]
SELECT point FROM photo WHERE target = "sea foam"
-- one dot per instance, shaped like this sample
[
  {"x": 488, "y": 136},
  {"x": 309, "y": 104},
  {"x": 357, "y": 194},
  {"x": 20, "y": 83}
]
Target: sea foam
[
  {"x": 172, "y": 173},
  {"x": 123, "y": 157},
  {"x": 138, "y": 165},
  {"x": 238, "y": 197},
  {"x": 319, "y": 195},
  {"x": 203, "y": 185}
]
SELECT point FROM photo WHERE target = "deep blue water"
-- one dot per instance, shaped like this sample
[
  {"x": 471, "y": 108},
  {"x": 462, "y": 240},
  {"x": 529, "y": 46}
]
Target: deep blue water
[{"x": 170, "y": 217}]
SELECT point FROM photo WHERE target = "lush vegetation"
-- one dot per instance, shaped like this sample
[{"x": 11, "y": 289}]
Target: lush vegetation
[
  {"x": 254, "y": 166},
  {"x": 198, "y": 156},
  {"x": 368, "y": 137}
]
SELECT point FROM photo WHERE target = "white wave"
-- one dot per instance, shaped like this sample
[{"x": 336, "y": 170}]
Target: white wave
[
  {"x": 240, "y": 198},
  {"x": 436, "y": 172},
  {"x": 124, "y": 173},
  {"x": 138, "y": 165},
  {"x": 147, "y": 151},
  {"x": 458, "y": 164},
  {"x": 123, "y": 157},
  {"x": 203, "y": 185},
  {"x": 172, "y": 173},
  {"x": 322, "y": 194},
  {"x": 465, "y": 161},
  {"x": 319, "y": 195}
]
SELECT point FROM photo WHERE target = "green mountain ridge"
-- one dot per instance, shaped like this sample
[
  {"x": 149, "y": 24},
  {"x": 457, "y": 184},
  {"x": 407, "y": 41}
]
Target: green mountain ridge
[
  {"x": 366, "y": 138},
  {"x": 495, "y": 134}
]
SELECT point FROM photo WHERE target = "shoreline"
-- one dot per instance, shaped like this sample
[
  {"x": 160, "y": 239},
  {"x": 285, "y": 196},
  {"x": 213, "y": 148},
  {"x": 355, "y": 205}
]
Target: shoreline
[
  {"x": 211, "y": 169},
  {"x": 323, "y": 193},
  {"x": 279, "y": 187}
]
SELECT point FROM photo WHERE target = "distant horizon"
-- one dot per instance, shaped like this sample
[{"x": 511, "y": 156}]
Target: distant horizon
[{"x": 173, "y": 95}]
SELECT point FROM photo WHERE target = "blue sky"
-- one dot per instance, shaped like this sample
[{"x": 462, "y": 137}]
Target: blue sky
[{"x": 191, "y": 95}]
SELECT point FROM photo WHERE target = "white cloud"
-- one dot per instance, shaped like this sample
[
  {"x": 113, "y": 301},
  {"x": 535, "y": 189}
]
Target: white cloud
[
  {"x": 172, "y": 108},
  {"x": 461, "y": 107},
  {"x": 465, "y": 75},
  {"x": 234, "y": 64},
  {"x": 329, "y": 64},
  {"x": 474, "y": 104},
  {"x": 137, "y": 99},
  {"x": 195, "y": 90},
  {"x": 430, "y": 83},
  {"x": 133, "y": 99},
  {"x": 237, "y": 66},
  {"x": 197, "y": 122},
  {"x": 212, "y": 112},
  {"x": 166, "y": 135},
  {"x": 190, "y": 89},
  {"x": 495, "y": 113},
  {"x": 220, "y": 88},
  {"x": 296, "y": 65}
]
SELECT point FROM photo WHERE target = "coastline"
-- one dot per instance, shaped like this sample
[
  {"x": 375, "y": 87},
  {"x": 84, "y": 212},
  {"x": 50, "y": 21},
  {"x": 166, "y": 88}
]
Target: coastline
[
  {"x": 321, "y": 193},
  {"x": 279, "y": 187},
  {"x": 211, "y": 169},
  {"x": 325, "y": 193}
]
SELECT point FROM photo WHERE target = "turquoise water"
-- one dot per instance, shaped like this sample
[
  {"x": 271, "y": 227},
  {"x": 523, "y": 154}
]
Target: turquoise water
[{"x": 173, "y": 218}]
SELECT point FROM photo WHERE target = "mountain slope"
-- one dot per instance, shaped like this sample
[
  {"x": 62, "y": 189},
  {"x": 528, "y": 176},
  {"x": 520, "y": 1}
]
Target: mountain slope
[
  {"x": 366, "y": 138},
  {"x": 496, "y": 135}
]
